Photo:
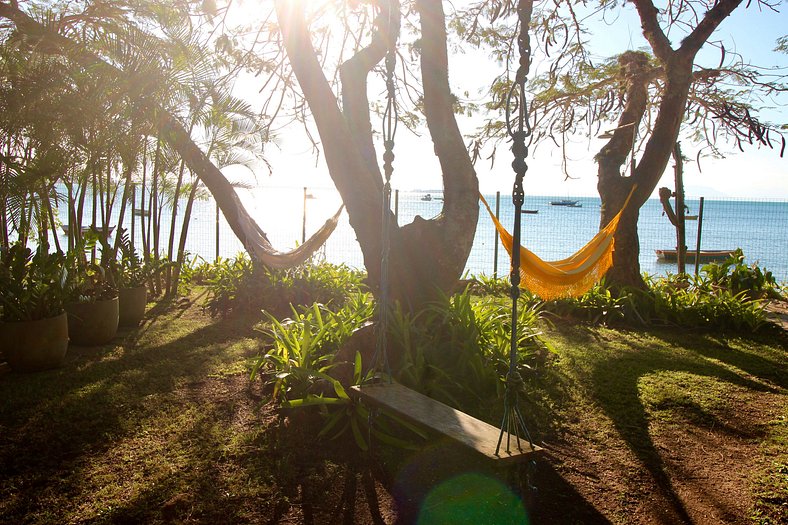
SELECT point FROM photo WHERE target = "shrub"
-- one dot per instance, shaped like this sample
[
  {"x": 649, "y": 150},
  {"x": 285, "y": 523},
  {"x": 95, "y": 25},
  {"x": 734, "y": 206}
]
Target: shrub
[
  {"x": 32, "y": 284},
  {"x": 303, "y": 347},
  {"x": 457, "y": 350},
  {"x": 237, "y": 284},
  {"x": 734, "y": 275},
  {"x": 686, "y": 301}
]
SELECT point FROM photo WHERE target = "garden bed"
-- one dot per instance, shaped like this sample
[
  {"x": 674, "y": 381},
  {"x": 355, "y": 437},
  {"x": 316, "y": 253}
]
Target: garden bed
[{"x": 164, "y": 425}]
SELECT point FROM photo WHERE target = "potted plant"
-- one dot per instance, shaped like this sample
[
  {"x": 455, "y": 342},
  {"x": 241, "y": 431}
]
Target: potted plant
[
  {"x": 131, "y": 275},
  {"x": 33, "y": 323},
  {"x": 92, "y": 305}
]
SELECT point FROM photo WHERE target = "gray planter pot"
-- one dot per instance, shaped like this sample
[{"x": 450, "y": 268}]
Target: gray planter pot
[
  {"x": 30, "y": 346},
  {"x": 91, "y": 324},
  {"x": 131, "y": 304}
]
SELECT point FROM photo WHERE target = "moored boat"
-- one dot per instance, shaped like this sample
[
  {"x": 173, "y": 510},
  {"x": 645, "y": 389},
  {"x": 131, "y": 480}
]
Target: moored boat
[
  {"x": 705, "y": 255},
  {"x": 567, "y": 202}
]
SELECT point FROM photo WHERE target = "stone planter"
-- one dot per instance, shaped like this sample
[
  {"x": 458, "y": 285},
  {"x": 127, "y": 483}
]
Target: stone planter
[
  {"x": 131, "y": 305},
  {"x": 30, "y": 346},
  {"x": 91, "y": 324}
]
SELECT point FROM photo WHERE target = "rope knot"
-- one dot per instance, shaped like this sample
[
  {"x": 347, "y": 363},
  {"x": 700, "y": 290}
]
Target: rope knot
[{"x": 514, "y": 381}]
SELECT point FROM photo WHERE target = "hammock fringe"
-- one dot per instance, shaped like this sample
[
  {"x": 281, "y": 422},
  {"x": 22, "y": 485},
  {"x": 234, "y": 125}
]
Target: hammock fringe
[{"x": 570, "y": 277}]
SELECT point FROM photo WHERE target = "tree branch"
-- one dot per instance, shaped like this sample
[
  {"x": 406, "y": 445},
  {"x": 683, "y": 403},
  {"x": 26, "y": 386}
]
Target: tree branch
[
  {"x": 653, "y": 31},
  {"x": 448, "y": 142},
  {"x": 353, "y": 74},
  {"x": 348, "y": 169},
  {"x": 713, "y": 18}
]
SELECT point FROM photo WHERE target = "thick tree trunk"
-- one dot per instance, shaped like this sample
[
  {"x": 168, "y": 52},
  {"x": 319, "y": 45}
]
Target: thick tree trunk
[
  {"x": 613, "y": 186},
  {"x": 427, "y": 257}
]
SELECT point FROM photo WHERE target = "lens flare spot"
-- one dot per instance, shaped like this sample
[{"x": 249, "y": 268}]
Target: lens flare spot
[{"x": 472, "y": 499}]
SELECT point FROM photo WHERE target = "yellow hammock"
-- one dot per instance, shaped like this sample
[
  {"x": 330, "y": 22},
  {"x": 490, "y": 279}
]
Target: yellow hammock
[{"x": 570, "y": 277}]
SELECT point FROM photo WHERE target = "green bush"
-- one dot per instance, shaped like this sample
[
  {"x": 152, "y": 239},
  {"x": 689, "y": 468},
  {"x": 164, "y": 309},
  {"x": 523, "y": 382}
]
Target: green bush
[
  {"x": 303, "y": 347},
  {"x": 457, "y": 350},
  {"x": 686, "y": 301},
  {"x": 32, "y": 284},
  {"x": 237, "y": 284},
  {"x": 736, "y": 276}
]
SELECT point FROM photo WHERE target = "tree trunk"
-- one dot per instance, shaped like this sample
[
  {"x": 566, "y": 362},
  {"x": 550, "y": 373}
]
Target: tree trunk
[
  {"x": 613, "y": 186},
  {"x": 427, "y": 257}
]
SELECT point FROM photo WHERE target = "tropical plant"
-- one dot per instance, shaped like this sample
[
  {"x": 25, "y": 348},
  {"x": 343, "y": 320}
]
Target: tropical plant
[
  {"x": 31, "y": 283},
  {"x": 128, "y": 269},
  {"x": 299, "y": 365},
  {"x": 457, "y": 351},
  {"x": 675, "y": 300},
  {"x": 734, "y": 275},
  {"x": 88, "y": 280},
  {"x": 237, "y": 284},
  {"x": 305, "y": 344}
]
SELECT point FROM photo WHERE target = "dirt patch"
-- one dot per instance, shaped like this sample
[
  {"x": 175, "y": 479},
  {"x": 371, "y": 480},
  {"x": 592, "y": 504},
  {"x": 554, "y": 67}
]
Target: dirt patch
[{"x": 188, "y": 444}]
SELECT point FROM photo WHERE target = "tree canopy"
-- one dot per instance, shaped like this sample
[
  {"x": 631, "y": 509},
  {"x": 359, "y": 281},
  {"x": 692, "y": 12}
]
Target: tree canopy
[{"x": 320, "y": 63}]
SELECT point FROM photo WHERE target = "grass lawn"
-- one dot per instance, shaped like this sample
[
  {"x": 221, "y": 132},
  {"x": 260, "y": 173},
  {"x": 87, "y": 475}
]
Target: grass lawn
[{"x": 164, "y": 426}]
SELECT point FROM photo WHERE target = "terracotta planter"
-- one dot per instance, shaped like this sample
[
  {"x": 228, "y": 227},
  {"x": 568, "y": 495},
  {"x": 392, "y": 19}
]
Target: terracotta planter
[
  {"x": 131, "y": 304},
  {"x": 91, "y": 324},
  {"x": 30, "y": 346}
]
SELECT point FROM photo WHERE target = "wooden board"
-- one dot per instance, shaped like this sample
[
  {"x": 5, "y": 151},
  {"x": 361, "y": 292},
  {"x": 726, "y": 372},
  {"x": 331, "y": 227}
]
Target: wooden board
[{"x": 443, "y": 419}]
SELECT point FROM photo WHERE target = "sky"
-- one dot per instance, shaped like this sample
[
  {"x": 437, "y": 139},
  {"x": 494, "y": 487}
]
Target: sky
[{"x": 751, "y": 32}]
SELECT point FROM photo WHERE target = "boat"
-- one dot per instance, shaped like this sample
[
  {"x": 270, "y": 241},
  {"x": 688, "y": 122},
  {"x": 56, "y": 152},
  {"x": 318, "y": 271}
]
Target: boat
[
  {"x": 426, "y": 197},
  {"x": 139, "y": 212},
  {"x": 567, "y": 202},
  {"x": 529, "y": 211},
  {"x": 705, "y": 255},
  {"x": 86, "y": 229},
  {"x": 690, "y": 217}
]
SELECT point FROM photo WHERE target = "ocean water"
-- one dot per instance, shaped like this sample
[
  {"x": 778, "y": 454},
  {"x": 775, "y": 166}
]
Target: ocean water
[
  {"x": 555, "y": 232},
  {"x": 757, "y": 227}
]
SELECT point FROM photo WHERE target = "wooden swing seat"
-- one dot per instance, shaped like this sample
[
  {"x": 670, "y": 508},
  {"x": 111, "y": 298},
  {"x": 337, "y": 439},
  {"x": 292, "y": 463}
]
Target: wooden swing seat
[{"x": 433, "y": 415}]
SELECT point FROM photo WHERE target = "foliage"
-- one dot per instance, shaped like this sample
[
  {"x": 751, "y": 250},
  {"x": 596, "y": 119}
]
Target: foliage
[
  {"x": 305, "y": 344},
  {"x": 236, "y": 284},
  {"x": 302, "y": 355},
  {"x": 457, "y": 350},
  {"x": 734, "y": 275},
  {"x": 489, "y": 285},
  {"x": 686, "y": 301},
  {"x": 88, "y": 280},
  {"x": 31, "y": 284},
  {"x": 129, "y": 269}
]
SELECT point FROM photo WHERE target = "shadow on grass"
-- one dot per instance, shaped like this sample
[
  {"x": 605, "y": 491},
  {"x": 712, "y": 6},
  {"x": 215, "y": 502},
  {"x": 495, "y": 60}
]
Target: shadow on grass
[
  {"x": 54, "y": 423},
  {"x": 615, "y": 371}
]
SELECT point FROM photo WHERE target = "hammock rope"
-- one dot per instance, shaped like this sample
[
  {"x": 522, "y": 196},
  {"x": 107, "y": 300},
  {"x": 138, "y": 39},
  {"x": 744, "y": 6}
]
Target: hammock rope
[
  {"x": 569, "y": 277},
  {"x": 258, "y": 241}
]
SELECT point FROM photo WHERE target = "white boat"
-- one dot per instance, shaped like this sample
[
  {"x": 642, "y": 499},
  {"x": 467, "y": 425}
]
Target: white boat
[{"x": 567, "y": 202}]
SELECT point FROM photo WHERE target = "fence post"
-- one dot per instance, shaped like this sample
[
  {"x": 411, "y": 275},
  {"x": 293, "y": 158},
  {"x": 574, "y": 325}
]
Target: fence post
[
  {"x": 495, "y": 245},
  {"x": 216, "y": 258},
  {"x": 700, "y": 229},
  {"x": 133, "y": 209},
  {"x": 681, "y": 237},
  {"x": 303, "y": 221}
]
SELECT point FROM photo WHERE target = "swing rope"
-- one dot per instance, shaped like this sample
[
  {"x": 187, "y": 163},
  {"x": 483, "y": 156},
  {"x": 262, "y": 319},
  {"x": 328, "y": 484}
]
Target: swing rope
[
  {"x": 519, "y": 129},
  {"x": 390, "y": 118}
]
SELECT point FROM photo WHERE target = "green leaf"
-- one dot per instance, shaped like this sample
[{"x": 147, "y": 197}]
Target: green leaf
[
  {"x": 357, "y": 369},
  {"x": 360, "y": 441},
  {"x": 311, "y": 400}
]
